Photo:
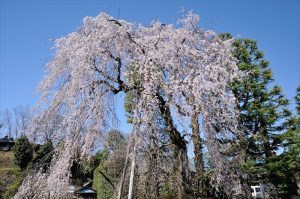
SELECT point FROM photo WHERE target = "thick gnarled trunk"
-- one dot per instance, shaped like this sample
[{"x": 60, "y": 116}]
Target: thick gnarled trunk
[
  {"x": 181, "y": 166},
  {"x": 200, "y": 189},
  {"x": 181, "y": 172}
]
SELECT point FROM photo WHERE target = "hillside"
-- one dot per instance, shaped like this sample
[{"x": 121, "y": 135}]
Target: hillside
[{"x": 10, "y": 175}]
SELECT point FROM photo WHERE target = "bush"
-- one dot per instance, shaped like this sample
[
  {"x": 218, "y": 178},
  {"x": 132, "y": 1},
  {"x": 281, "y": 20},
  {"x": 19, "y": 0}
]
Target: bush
[
  {"x": 23, "y": 152},
  {"x": 103, "y": 188},
  {"x": 43, "y": 153}
]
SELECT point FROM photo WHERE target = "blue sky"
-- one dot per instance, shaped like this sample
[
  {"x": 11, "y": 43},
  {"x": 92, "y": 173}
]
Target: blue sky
[{"x": 27, "y": 27}]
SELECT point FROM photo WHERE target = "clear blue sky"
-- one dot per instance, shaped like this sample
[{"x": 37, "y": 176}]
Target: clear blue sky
[{"x": 27, "y": 26}]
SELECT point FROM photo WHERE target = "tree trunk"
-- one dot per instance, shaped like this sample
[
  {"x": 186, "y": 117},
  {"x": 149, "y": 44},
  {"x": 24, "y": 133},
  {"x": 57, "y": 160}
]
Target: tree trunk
[
  {"x": 182, "y": 174},
  {"x": 181, "y": 166},
  {"x": 200, "y": 189},
  {"x": 154, "y": 173},
  {"x": 120, "y": 191},
  {"x": 132, "y": 173}
]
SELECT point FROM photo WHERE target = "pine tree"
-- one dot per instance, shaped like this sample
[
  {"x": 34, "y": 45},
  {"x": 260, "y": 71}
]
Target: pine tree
[
  {"x": 263, "y": 110},
  {"x": 286, "y": 166}
]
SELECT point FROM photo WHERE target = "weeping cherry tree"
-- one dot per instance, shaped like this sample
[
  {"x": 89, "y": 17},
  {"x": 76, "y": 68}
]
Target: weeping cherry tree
[{"x": 182, "y": 69}]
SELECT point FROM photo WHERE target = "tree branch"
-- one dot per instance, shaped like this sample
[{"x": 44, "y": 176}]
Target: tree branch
[
  {"x": 107, "y": 179},
  {"x": 174, "y": 134},
  {"x": 121, "y": 85},
  {"x": 128, "y": 34}
]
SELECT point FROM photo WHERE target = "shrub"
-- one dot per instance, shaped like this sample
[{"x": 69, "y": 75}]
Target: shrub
[
  {"x": 23, "y": 152},
  {"x": 43, "y": 154}
]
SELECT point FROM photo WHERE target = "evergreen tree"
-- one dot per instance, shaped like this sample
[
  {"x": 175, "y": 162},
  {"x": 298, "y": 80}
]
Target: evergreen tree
[
  {"x": 286, "y": 166},
  {"x": 263, "y": 110},
  {"x": 23, "y": 152},
  {"x": 103, "y": 188}
]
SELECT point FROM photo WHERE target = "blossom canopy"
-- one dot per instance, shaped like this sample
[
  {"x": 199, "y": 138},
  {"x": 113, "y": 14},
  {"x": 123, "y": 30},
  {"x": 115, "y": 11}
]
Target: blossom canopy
[{"x": 183, "y": 65}]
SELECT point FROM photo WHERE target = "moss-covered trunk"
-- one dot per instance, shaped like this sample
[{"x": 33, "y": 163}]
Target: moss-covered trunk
[{"x": 199, "y": 185}]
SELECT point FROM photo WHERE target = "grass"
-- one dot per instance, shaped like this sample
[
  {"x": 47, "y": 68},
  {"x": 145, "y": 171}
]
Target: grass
[
  {"x": 6, "y": 159},
  {"x": 11, "y": 175}
]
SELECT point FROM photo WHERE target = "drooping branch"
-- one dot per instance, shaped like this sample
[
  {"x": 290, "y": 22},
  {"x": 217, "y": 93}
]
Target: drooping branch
[
  {"x": 111, "y": 87},
  {"x": 105, "y": 75},
  {"x": 173, "y": 59},
  {"x": 128, "y": 34},
  {"x": 107, "y": 179}
]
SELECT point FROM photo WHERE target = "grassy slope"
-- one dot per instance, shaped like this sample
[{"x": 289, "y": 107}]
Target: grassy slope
[{"x": 10, "y": 175}]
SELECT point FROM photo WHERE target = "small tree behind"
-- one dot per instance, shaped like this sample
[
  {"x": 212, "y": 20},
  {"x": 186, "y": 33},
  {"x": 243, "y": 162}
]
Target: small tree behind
[
  {"x": 43, "y": 155},
  {"x": 23, "y": 152}
]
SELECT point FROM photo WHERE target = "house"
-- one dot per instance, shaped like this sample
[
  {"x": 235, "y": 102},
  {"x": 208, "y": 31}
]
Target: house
[
  {"x": 85, "y": 193},
  {"x": 6, "y": 143}
]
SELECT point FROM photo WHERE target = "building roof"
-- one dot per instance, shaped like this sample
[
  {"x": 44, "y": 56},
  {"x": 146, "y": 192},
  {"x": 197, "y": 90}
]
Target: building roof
[
  {"x": 86, "y": 190},
  {"x": 7, "y": 140}
]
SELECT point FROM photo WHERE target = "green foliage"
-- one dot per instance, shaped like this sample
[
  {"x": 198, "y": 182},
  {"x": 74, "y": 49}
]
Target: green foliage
[
  {"x": 43, "y": 154},
  {"x": 11, "y": 176},
  {"x": 12, "y": 189},
  {"x": 130, "y": 101},
  {"x": 286, "y": 166},
  {"x": 167, "y": 191},
  {"x": 110, "y": 164},
  {"x": 131, "y": 98},
  {"x": 297, "y": 100},
  {"x": 92, "y": 168},
  {"x": 103, "y": 188},
  {"x": 91, "y": 165},
  {"x": 23, "y": 152},
  {"x": 113, "y": 140},
  {"x": 14, "y": 186},
  {"x": 264, "y": 117}
]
